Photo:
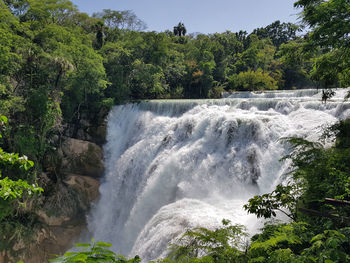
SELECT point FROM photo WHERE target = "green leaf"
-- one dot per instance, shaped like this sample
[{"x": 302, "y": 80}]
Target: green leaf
[
  {"x": 102, "y": 244},
  {"x": 82, "y": 245},
  {"x": 3, "y": 119}
]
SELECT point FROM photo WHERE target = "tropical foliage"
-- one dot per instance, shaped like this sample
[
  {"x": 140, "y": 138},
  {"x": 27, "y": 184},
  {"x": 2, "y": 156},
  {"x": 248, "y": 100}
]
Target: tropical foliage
[
  {"x": 94, "y": 252},
  {"x": 60, "y": 68}
]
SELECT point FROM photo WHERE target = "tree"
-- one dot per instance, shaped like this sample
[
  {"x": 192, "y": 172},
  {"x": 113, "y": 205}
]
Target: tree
[
  {"x": 329, "y": 21},
  {"x": 48, "y": 11},
  {"x": 280, "y": 243},
  {"x": 279, "y": 33},
  {"x": 252, "y": 80},
  {"x": 146, "y": 80},
  {"x": 329, "y": 68},
  {"x": 223, "y": 244},
  {"x": 320, "y": 230},
  {"x": 121, "y": 19},
  {"x": 180, "y": 30},
  {"x": 174, "y": 72},
  {"x": 297, "y": 63},
  {"x": 117, "y": 61},
  {"x": 17, "y": 7},
  {"x": 242, "y": 36},
  {"x": 99, "y": 27},
  {"x": 259, "y": 54},
  {"x": 317, "y": 173}
]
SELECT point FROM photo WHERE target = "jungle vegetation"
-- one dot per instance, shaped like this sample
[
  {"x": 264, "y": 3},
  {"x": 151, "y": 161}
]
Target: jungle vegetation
[{"x": 59, "y": 65}]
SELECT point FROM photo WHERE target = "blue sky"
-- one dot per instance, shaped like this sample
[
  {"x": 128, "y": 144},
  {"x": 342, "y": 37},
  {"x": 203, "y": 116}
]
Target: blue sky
[{"x": 205, "y": 16}]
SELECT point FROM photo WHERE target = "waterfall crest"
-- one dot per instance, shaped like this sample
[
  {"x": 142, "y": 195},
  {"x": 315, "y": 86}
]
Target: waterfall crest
[{"x": 178, "y": 164}]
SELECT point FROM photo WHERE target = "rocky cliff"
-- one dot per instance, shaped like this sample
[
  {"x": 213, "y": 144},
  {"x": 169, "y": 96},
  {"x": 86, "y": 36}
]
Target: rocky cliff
[{"x": 70, "y": 186}]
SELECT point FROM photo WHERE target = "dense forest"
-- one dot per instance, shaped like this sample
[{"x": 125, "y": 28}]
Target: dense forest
[{"x": 59, "y": 66}]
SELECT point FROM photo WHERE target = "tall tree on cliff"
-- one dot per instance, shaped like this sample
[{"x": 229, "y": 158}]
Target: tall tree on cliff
[{"x": 180, "y": 30}]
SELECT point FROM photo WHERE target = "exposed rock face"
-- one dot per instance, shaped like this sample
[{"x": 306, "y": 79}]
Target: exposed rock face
[
  {"x": 70, "y": 180},
  {"x": 89, "y": 131},
  {"x": 47, "y": 242},
  {"x": 52, "y": 220},
  {"x": 71, "y": 200},
  {"x": 86, "y": 186},
  {"x": 99, "y": 133},
  {"x": 81, "y": 157},
  {"x": 69, "y": 191}
]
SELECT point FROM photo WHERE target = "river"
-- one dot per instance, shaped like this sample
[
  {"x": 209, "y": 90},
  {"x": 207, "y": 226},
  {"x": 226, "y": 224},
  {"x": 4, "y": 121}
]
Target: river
[{"x": 172, "y": 165}]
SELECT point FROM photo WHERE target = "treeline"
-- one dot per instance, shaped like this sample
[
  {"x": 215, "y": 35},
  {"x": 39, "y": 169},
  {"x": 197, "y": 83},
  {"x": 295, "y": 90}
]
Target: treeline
[{"x": 58, "y": 65}]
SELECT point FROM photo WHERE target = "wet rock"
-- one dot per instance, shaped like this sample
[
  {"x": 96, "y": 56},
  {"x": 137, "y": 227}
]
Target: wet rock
[
  {"x": 52, "y": 220},
  {"x": 82, "y": 157},
  {"x": 46, "y": 244},
  {"x": 253, "y": 161},
  {"x": 86, "y": 186},
  {"x": 98, "y": 133},
  {"x": 84, "y": 123},
  {"x": 69, "y": 200},
  {"x": 62, "y": 219}
]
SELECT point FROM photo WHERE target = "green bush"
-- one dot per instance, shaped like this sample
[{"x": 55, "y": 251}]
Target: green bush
[
  {"x": 252, "y": 81},
  {"x": 94, "y": 252},
  {"x": 223, "y": 244},
  {"x": 13, "y": 187}
]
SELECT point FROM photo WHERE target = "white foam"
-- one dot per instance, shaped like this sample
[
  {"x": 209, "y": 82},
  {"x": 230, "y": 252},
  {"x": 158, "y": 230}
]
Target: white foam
[{"x": 173, "y": 165}]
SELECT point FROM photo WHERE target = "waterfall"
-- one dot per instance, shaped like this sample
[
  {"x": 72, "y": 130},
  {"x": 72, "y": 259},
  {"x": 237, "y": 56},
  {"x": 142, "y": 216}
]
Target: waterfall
[{"x": 172, "y": 165}]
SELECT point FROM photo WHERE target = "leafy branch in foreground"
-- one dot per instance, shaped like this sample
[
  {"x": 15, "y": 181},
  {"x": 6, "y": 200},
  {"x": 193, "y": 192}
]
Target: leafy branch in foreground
[
  {"x": 317, "y": 174},
  {"x": 280, "y": 242},
  {"x": 283, "y": 199},
  {"x": 13, "y": 187},
  {"x": 204, "y": 245},
  {"x": 94, "y": 252}
]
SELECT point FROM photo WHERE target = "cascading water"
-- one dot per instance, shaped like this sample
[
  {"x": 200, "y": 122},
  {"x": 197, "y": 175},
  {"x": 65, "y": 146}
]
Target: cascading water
[{"x": 180, "y": 164}]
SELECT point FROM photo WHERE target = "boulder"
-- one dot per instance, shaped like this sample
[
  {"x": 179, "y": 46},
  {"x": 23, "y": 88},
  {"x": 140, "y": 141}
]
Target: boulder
[
  {"x": 51, "y": 220},
  {"x": 82, "y": 157},
  {"x": 84, "y": 185},
  {"x": 98, "y": 133},
  {"x": 69, "y": 201},
  {"x": 47, "y": 243}
]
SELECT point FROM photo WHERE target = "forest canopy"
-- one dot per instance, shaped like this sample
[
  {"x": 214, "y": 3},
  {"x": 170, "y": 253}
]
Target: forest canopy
[{"x": 60, "y": 67}]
